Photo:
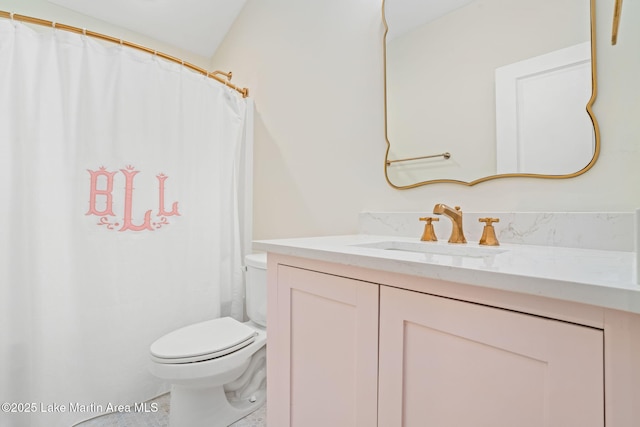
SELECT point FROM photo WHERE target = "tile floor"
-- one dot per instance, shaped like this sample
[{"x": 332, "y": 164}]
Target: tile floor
[{"x": 161, "y": 418}]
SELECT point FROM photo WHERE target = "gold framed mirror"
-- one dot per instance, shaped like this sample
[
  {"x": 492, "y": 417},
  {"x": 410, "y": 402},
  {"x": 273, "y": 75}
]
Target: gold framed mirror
[{"x": 483, "y": 89}]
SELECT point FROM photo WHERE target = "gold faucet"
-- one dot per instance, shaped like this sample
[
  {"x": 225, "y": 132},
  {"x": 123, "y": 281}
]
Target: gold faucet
[{"x": 455, "y": 215}]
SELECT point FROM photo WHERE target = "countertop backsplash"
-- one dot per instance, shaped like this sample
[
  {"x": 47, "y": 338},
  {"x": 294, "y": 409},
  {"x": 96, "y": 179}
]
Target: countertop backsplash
[{"x": 613, "y": 231}]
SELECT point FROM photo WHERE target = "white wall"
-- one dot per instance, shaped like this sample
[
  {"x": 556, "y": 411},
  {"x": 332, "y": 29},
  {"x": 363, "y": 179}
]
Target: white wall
[{"x": 315, "y": 71}]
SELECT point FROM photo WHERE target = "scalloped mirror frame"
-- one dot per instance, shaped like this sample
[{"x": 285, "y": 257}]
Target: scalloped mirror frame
[{"x": 589, "y": 110}]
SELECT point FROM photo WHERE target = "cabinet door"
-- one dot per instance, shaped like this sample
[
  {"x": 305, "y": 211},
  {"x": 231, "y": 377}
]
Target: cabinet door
[
  {"x": 327, "y": 350},
  {"x": 447, "y": 363}
]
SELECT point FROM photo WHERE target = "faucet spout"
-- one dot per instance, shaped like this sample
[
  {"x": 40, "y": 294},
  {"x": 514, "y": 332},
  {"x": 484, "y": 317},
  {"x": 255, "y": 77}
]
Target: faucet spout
[{"x": 455, "y": 215}]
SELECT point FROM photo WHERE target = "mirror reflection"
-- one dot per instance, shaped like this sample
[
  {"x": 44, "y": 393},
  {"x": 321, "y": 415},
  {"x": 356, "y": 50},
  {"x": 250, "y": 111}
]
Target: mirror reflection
[{"x": 488, "y": 87}]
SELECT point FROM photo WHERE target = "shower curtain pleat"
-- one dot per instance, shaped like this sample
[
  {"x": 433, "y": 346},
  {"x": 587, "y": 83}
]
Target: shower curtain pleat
[{"x": 121, "y": 186}]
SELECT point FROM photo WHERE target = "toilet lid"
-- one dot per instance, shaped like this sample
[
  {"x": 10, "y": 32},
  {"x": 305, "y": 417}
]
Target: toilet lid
[{"x": 202, "y": 341}]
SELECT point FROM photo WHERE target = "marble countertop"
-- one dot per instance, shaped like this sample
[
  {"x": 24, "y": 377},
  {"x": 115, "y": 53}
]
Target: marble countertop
[{"x": 598, "y": 277}]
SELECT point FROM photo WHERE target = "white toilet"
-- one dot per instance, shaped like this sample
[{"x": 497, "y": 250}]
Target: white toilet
[{"x": 217, "y": 368}]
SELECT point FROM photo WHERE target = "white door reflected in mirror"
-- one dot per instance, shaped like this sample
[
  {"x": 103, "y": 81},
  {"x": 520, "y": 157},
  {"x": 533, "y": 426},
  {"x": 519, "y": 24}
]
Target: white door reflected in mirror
[{"x": 541, "y": 124}]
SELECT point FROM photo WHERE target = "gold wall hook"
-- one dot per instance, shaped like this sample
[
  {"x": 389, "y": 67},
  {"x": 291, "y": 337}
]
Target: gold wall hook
[
  {"x": 489, "y": 233},
  {"x": 617, "y": 10},
  {"x": 429, "y": 234}
]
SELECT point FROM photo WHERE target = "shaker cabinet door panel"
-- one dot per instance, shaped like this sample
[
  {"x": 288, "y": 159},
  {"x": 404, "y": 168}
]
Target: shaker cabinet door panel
[
  {"x": 328, "y": 329},
  {"x": 447, "y": 363}
]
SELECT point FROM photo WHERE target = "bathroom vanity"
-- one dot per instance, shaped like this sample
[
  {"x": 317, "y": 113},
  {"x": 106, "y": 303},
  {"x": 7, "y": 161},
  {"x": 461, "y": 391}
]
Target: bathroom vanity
[{"x": 369, "y": 330}]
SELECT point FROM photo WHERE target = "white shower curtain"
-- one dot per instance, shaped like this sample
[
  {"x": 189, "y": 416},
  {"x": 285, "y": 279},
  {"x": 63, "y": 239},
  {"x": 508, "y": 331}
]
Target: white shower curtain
[{"x": 120, "y": 218}]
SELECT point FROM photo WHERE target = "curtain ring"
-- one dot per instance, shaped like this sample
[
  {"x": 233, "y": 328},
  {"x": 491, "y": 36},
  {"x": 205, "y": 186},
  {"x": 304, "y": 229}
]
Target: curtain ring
[
  {"x": 53, "y": 25},
  {"x": 11, "y": 15}
]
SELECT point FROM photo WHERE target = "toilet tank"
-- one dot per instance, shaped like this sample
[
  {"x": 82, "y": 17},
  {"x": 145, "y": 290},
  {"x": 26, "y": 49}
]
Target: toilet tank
[{"x": 256, "y": 288}]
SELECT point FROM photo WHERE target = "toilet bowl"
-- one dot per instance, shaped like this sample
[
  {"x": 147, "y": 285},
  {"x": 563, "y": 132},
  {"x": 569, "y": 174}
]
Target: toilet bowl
[{"x": 217, "y": 368}]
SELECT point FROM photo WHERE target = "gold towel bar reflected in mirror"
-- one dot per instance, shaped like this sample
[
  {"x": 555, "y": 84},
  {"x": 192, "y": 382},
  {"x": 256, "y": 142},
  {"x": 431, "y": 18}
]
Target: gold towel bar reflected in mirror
[{"x": 446, "y": 155}]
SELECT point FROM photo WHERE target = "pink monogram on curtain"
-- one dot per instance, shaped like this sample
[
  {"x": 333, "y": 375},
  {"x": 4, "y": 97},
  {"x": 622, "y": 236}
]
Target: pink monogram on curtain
[{"x": 106, "y": 194}]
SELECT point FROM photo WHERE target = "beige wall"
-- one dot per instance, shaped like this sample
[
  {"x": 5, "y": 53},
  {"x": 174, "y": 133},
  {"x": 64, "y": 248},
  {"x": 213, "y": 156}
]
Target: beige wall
[{"x": 314, "y": 69}]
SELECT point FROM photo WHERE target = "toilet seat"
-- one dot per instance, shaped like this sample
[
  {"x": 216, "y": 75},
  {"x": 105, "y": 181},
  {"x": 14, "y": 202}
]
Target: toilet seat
[{"x": 202, "y": 341}]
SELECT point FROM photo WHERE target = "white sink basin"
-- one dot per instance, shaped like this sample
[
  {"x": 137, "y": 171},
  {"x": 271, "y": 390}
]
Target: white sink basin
[{"x": 463, "y": 250}]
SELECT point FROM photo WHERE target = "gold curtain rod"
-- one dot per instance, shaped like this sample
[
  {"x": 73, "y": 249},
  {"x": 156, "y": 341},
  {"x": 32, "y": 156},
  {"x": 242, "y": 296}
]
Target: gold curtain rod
[
  {"x": 211, "y": 74},
  {"x": 446, "y": 155}
]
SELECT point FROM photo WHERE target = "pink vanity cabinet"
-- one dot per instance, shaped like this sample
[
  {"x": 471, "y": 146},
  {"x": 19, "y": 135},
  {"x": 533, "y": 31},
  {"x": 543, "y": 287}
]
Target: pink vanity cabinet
[
  {"x": 357, "y": 347},
  {"x": 445, "y": 362},
  {"x": 324, "y": 357}
]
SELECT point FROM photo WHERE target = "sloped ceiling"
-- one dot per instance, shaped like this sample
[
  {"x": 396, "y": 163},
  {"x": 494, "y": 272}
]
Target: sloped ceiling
[
  {"x": 197, "y": 26},
  {"x": 404, "y": 15}
]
